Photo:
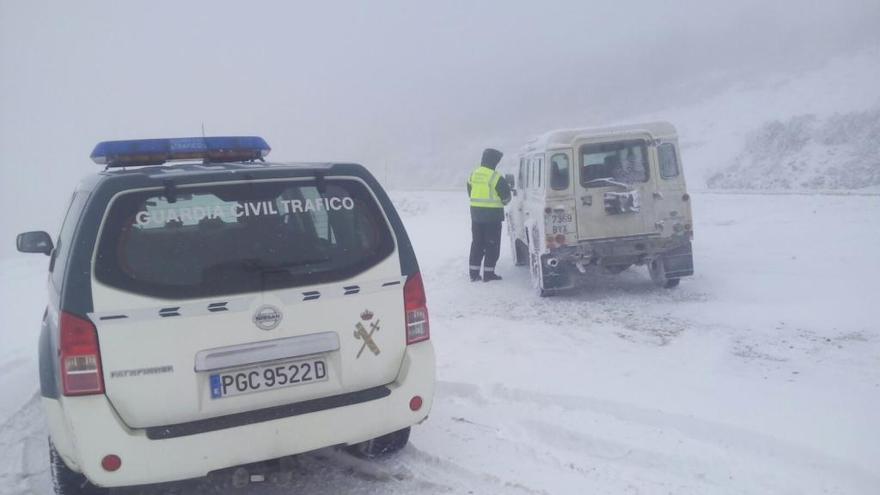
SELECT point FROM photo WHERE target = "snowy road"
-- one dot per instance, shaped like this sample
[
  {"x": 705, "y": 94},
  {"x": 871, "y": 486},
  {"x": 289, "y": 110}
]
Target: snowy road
[{"x": 761, "y": 374}]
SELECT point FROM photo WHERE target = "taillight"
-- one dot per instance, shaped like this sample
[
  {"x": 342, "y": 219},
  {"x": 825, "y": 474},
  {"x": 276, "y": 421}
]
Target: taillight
[
  {"x": 80, "y": 357},
  {"x": 415, "y": 306}
]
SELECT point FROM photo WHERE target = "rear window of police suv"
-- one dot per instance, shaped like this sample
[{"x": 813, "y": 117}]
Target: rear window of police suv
[{"x": 213, "y": 240}]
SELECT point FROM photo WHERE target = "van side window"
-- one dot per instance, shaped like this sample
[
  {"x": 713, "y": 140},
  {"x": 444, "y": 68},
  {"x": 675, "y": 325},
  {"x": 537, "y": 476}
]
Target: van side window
[
  {"x": 540, "y": 171},
  {"x": 534, "y": 165},
  {"x": 559, "y": 172},
  {"x": 58, "y": 263},
  {"x": 529, "y": 180},
  {"x": 668, "y": 160},
  {"x": 528, "y": 173}
]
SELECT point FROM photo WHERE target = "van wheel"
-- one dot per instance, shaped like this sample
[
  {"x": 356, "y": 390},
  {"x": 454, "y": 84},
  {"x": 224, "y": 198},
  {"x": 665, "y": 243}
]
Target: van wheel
[
  {"x": 520, "y": 253},
  {"x": 66, "y": 481},
  {"x": 658, "y": 274},
  {"x": 380, "y": 446}
]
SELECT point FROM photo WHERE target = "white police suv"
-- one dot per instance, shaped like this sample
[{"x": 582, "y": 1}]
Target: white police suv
[{"x": 225, "y": 311}]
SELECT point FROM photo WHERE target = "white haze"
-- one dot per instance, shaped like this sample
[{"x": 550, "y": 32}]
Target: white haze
[{"x": 397, "y": 86}]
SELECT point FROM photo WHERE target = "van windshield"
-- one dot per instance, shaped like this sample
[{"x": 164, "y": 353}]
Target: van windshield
[
  {"x": 624, "y": 162},
  {"x": 246, "y": 237}
]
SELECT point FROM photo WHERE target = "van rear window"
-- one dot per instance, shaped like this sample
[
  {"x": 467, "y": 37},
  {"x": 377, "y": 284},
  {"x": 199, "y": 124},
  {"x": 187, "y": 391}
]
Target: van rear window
[
  {"x": 213, "y": 240},
  {"x": 623, "y": 161}
]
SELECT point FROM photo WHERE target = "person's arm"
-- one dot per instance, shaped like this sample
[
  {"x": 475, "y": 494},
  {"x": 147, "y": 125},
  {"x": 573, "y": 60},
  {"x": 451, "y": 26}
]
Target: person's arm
[
  {"x": 469, "y": 187},
  {"x": 503, "y": 190}
]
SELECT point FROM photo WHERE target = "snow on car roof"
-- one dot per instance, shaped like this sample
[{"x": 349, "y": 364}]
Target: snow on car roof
[{"x": 567, "y": 137}]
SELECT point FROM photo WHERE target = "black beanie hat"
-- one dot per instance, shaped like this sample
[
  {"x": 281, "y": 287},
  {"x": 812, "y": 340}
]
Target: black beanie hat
[{"x": 491, "y": 157}]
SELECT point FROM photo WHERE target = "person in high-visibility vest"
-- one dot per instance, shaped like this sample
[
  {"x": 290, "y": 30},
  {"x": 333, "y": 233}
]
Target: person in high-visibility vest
[{"x": 489, "y": 192}]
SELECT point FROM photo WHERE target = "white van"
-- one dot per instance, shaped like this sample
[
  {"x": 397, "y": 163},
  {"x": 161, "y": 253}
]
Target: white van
[
  {"x": 608, "y": 197},
  {"x": 226, "y": 311}
]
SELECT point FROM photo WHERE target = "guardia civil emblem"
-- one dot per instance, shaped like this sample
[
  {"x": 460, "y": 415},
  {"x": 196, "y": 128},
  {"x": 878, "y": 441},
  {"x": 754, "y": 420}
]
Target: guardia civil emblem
[{"x": 365, "y": 336}]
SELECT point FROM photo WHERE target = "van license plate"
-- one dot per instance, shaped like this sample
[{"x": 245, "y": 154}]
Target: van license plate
[{"x": 268, "y": 377}]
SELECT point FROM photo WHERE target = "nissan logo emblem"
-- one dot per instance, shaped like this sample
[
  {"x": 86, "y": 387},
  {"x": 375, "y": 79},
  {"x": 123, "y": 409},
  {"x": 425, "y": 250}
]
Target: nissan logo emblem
[{"x": 267, "y": 317}]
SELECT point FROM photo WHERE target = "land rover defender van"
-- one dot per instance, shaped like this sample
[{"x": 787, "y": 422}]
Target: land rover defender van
[{"x": 604, "y": 197}]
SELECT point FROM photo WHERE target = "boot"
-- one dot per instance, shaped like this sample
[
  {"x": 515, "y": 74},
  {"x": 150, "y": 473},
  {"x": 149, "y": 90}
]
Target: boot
[
  {"x": 490, "y": 276},
  {"x": 475, "y": 276}
]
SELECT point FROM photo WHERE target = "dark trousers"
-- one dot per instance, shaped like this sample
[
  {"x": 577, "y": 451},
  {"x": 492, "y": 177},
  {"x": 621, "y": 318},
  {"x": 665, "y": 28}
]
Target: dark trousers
[{"x": 485, "y": 246}]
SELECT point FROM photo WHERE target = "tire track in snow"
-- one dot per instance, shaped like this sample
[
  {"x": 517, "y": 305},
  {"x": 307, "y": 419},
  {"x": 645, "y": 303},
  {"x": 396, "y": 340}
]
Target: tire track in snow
[
  {"x": 24, "y": 460},
  {"x": 473, "y": 479},
  {"x": 23, "y": 439},
  {"x": 747, "y": 443}
]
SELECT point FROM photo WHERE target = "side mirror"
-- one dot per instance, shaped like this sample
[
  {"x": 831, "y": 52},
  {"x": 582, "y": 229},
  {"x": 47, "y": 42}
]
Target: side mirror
[
  {"x": 34, "y": 242},
  {"x": 510, "y": 180}
]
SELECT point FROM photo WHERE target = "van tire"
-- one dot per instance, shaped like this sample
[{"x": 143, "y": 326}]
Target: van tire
[
  {"x": 380, "y": 446},
  {"x": 520, "y": 253},
  {"x": 657, "y": 270},
  {"x": 66, "y": 481}
]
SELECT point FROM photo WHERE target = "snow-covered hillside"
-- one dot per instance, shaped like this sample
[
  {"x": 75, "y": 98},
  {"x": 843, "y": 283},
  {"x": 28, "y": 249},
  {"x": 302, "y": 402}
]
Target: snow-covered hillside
[
  {"x": 759, "y": 375},
  {"x": 808, "y": 152},
  {"x": 818, "y": 129}
]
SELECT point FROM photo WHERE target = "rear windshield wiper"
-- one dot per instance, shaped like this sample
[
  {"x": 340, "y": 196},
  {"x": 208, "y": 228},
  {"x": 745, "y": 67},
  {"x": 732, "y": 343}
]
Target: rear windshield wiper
[{"x": 608, "y": 180}]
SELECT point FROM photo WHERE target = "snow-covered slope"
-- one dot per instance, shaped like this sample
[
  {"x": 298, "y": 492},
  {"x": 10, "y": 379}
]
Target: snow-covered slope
[
  {"x": 808, "y": 152},
  {"x": 814, "y": 130}
]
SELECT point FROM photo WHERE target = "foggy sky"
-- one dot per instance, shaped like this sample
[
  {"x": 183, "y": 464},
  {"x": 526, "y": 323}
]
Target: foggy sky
[{"x": 393, "y": 85}]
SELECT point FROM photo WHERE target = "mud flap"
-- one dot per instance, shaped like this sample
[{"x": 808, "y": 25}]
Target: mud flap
[
  {"x": 679, "y": 262},
  {"x": 557, "y": 278}
]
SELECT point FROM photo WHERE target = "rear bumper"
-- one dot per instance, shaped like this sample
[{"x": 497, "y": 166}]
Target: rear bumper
[
  {"x": 85, "y": 429},
  {"x": 619, "y": 251}
]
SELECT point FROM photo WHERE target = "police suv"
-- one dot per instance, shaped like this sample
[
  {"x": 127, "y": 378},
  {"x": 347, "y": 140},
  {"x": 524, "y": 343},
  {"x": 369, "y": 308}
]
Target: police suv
[
  {"x": 605, "y": 197},
  {"x": 223, "y": 312}
]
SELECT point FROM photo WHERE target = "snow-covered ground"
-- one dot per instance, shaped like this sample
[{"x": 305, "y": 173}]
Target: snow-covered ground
[{"x": 761, "y": 374}]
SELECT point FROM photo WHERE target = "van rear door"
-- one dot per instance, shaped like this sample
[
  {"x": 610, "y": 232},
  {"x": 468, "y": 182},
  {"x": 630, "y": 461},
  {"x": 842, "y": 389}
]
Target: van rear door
[
  {"x": 218, "y": 299},
  {"x": 614, "y": 188}
]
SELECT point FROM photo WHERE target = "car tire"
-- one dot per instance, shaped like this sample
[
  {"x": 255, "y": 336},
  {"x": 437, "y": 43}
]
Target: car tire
[
  {"x": 66, "y": 481},
  {"x": 380, "y": 446},
  {"x": 657, "y": 270}
]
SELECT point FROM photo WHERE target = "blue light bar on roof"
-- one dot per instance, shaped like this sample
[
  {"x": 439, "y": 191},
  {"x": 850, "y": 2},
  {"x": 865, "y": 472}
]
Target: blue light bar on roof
[{"x": 158, "y": 151}]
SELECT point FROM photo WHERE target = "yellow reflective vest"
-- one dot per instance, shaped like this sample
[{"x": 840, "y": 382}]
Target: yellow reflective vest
[{"x": 483, "y": 195}]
